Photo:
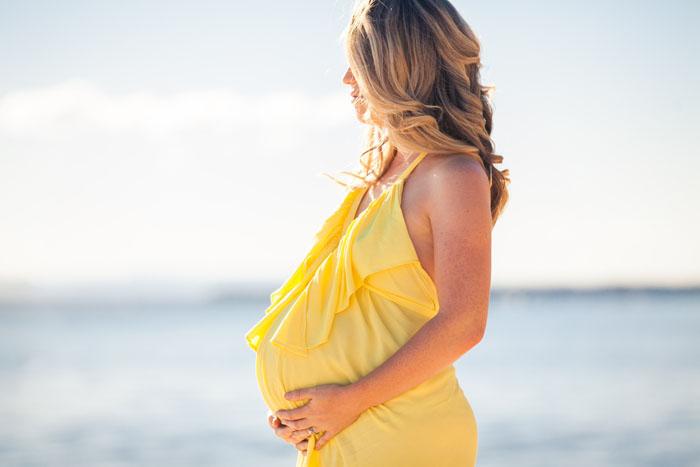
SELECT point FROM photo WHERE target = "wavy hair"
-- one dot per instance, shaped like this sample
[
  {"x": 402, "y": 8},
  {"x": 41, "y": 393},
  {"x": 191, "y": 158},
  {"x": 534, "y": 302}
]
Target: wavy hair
[{"x": 416, "y": 63}]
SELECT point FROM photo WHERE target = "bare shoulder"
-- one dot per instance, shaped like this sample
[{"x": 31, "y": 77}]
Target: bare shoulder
[
  {"x": 454, "y": 167},
  {"x": 456, "y": 181}
]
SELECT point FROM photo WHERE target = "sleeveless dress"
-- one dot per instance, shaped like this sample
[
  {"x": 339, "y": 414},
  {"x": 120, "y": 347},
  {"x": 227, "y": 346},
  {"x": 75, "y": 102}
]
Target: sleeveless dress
[{"x": 358, "y": 296}]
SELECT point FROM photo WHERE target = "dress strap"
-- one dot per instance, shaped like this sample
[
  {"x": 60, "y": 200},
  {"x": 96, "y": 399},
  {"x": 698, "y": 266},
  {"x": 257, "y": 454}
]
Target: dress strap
[{"x": 412, "y": 166}]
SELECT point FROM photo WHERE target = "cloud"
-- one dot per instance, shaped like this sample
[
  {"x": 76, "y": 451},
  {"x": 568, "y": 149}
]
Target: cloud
[
  {"x": 102, "y": 184},
  {"x": 79, "y": 106}
]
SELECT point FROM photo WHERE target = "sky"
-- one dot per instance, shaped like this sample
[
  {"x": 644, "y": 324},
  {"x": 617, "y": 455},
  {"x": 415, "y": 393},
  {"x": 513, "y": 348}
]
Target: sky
[{"x": 187, "y": 141}]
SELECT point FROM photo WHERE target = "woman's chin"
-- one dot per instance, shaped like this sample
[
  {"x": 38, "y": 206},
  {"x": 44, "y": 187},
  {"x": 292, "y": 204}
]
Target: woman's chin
[{"x": 360, "y": 113}]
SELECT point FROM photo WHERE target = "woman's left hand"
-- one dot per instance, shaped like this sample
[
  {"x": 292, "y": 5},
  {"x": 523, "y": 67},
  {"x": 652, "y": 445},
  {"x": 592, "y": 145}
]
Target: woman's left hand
[{"x": 331, "y": 408}]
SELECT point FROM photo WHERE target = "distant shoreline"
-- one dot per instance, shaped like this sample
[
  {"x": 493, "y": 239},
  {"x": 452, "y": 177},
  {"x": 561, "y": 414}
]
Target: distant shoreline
[{"x": 179, "y": 296}]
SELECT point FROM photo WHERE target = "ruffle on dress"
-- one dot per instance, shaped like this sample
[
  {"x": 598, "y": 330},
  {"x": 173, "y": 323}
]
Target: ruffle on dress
[{"x": 374, "y": 251}]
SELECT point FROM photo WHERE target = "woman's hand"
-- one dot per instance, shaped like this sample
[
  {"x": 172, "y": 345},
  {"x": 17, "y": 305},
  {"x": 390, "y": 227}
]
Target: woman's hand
[
  {"x": 299, "y": 440},
  {"x": 331, "y": 408}
]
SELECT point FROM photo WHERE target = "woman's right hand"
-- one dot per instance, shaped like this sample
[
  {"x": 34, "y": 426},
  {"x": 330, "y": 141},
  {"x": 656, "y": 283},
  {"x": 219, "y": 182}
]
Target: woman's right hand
[{"x": 297, "y": 438}]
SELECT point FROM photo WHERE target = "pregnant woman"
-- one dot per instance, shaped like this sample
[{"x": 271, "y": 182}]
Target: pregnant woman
[{"x": 355, "y": 352}]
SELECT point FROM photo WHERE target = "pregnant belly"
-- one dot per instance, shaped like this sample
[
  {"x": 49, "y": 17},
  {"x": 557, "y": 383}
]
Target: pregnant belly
[{"x": 364, "y": 335}]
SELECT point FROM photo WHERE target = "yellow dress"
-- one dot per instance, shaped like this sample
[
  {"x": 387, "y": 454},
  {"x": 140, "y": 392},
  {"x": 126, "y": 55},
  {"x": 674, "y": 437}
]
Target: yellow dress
[{"x": 358, "y": 296}]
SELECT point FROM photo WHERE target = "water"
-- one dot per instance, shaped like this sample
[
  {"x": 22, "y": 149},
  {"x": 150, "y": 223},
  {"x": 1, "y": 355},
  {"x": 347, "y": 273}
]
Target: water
[{"x": 559, "y": 380}]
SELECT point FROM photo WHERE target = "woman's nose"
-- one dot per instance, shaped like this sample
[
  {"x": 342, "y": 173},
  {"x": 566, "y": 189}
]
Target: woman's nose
[{"x": 348, "y": 78}]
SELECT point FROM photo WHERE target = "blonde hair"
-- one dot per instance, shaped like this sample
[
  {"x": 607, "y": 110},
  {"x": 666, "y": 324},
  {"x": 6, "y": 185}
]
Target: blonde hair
[{"x": 416, "y": 63}]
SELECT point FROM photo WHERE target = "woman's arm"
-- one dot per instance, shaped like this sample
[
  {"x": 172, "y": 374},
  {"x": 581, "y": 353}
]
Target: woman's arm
[
  {"x": 460, "y": 217},
  {"x": 457, "y": 198}
]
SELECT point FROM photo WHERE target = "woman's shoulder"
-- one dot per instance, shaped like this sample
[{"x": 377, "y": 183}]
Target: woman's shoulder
[
  {"x": 454, "y": 181},
  {"x": 454, "y": 168}
]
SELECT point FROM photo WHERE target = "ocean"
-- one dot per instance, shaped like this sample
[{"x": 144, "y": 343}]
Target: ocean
[{"x": 561, "y": 379}]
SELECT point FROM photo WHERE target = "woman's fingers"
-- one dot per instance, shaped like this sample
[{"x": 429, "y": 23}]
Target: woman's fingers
[
  {"x": 299, "y": 435},
  {"x": 273, "y": 421},
  {"x": 300, "y": 424},
  {"x": 291, "y": 435},
  {"x": 283, "y": 432},
  {"x": 302, "y": 445}
]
